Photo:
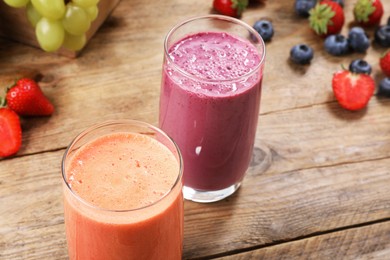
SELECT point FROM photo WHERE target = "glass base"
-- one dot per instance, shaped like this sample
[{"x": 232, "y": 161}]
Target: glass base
[{"x": 209, "y": 196}]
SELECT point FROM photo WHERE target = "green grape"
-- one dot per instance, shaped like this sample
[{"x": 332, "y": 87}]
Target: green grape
[
  {"x": 50, "y": 34},
  {"x": 74, "y": 42},
  {"x": 17, "y": 3},
  {"x": 76, "y": 20},
  {"x": 92, "y": 12},
  {"x": 52, "y": 9},
  {"x": 32, "y": 14},
  {"x": 85, "y": 3}
]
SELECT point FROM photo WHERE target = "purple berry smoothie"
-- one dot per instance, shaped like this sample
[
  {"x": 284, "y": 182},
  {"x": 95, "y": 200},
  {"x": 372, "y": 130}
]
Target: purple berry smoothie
[{"x": 212, "y": 112}]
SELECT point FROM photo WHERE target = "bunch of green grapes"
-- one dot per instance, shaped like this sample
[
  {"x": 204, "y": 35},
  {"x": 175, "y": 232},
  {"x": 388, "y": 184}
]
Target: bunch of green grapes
[{"x": 59, "y": 22}]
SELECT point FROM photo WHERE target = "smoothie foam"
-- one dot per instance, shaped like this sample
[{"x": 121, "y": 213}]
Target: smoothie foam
[{"x": 122, "y": 171}]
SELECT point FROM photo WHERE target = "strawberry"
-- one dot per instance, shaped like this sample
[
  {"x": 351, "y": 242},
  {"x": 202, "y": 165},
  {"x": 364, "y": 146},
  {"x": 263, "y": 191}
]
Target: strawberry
[
  {"x": 232, "y": 8},
  {"x": 10, "y": 132},
  {"x": 384, "y": 63},
  {"x": 27, "y": 99},
  {"x": 368, "y": 12},
  {"x": 352, "y": 91},
  {"x": 326, "y": 18}
]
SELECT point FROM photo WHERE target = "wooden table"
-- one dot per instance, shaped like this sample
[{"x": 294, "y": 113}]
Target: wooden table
[{"x": 319, "y": 183}]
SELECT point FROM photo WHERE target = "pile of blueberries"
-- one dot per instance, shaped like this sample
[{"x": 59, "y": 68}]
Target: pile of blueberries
[
  {"x": 336, "y": 45},
  {"x": 357, "y": 40}
]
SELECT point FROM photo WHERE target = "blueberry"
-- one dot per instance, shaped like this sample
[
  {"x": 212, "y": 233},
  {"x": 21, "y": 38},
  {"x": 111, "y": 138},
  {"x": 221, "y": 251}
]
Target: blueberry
[
  {"x": 336, "y": 44},
  {"x": 382, "y": 36},
  {"x": 358, "y": 40},
  {"x": 360, "y": 66},
  {"x": 301, "y": 54},
  {"x": 384, "y": 87},
  {"x": 302, "y": 7},
  {"x": 265, "y": 29}
]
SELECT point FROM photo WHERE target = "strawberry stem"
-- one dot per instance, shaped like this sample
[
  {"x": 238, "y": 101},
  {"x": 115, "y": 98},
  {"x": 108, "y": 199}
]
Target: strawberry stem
[
  {"x": 3, "y": 102},
  {"x": 239, "y": 5},
  {"x": 320, "y": 18},
  {"x": 363, "y": 9}
]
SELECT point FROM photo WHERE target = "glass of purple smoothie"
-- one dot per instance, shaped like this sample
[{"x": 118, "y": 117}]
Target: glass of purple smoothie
[{"x": 210, "y": 99}]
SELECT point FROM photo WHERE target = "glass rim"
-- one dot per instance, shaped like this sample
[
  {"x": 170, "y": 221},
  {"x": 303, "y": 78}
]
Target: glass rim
[
  {"x": 223, "y": 18},
  {"x": 121, "y": 122}
]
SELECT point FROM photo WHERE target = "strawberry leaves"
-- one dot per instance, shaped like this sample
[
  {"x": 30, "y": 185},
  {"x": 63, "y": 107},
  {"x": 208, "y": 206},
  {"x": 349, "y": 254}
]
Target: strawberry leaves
[
  {"x": 232, "y": 8},
  {"x": 368, "y": 12},
  {"x": 3, "y": 102},
  {"x": 363, "y": 9},
  {"x": 24, "y": 98},
  {"x": 320, "y": 17},
  {"x": 326, "y": 18}
]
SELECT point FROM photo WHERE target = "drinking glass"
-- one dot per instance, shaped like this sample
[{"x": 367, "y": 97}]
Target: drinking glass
[
  {"x": 209, "y": 101},
  {"x": 106, "y": 170}
]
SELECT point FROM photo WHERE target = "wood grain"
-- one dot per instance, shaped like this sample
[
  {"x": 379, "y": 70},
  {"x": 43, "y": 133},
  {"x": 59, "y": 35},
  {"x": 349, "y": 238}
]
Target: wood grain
[
  {"x": 268, "y": 209},
  {"x": 272, "y": 208},
  {"x": 32, "y": 223},
  {"x": 368, "y": 242},
  {"x": 319, "y": 182}
]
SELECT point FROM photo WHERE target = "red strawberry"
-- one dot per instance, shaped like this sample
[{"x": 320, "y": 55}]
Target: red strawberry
[
  {"x": 26, "y": 98},
  {"x": 232, "y": 8},
  {"x": 368, "y": 12},
  {"x": 352, "y": 90},
  {"x": 384, "y": 63},
  {"x": 10, "y": 132},
  {"x": 326, "y": 18}
]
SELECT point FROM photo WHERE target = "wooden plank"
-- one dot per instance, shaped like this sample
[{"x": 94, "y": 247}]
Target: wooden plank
[
  {"x": 316, "y": 167},
  {"x": 129, "y": 51},
  {"x": 368, "y": 242},
  {"x": 271, "y": 208},
  {"x": 286, "y": 141},
  {"x": 287, "y": 85},
  {"x": 322, "y": 135},
  {"x": 268, "y": 208},
  {"x": 31, "y": 222}
]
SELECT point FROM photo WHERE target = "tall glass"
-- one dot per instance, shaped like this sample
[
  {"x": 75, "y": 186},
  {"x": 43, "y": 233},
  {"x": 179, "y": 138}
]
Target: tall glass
[
  {"x": 122, "y": 186},
  {"x": 210, "y": 99}
]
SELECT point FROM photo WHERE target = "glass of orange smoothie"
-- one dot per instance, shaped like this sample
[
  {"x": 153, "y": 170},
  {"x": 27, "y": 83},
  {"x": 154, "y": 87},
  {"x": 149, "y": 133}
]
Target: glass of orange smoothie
[{"x": 122, "y": 186}]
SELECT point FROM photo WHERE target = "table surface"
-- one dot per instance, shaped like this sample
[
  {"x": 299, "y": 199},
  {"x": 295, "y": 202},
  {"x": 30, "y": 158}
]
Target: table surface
[{"x": 319, "y": 182}]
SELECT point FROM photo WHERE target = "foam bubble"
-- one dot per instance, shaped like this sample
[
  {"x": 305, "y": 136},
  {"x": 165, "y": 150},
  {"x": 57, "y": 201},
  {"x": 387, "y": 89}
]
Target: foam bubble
[
  {"x": 151, "y": 167},
  {"x": 225, "y": 52}
]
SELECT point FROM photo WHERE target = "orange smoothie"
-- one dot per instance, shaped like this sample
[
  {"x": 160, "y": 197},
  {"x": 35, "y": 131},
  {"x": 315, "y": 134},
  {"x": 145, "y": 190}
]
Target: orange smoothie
[{"x": 123, "y": 199}]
